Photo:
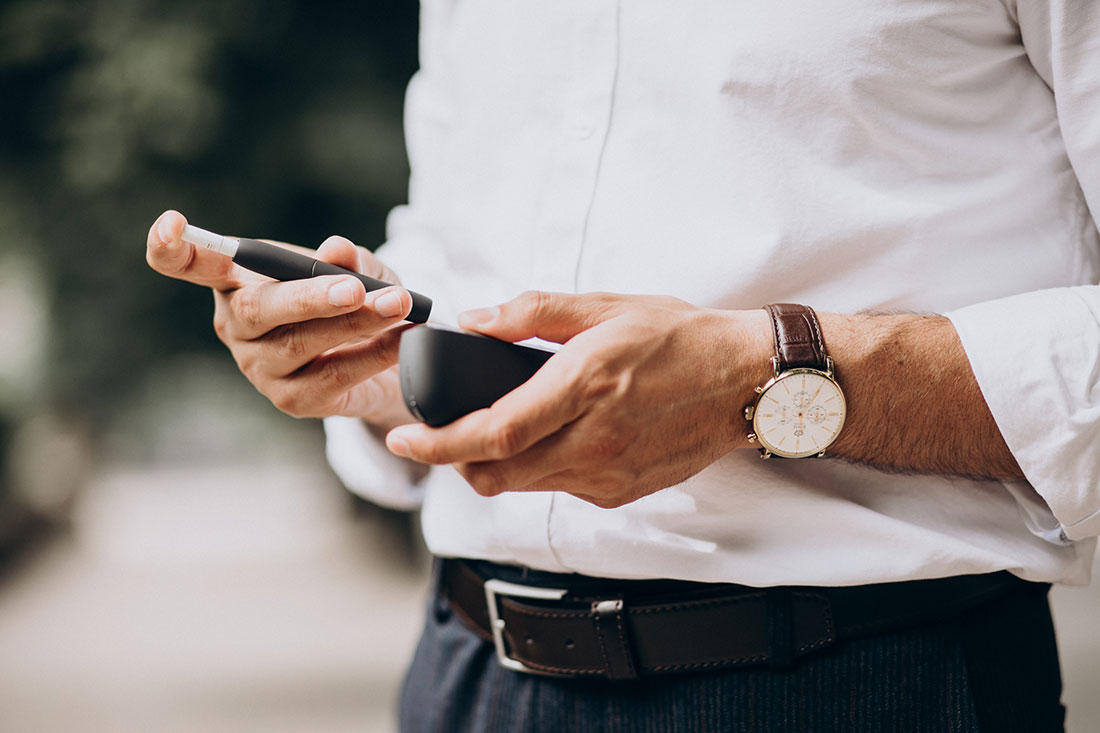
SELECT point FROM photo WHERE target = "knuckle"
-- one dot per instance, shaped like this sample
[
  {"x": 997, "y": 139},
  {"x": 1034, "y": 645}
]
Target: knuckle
[
  {"x": 293, "y": 343},
  {"x": 336, "y": 376},
  {"x": 221, "y": 324},
  {"x": 301, "y": 300},
  {"x": 596, "y": 379},
  {"x": 609, "y": 502},
  {"x": 362, "y": 322},
  {"x": 248, "y": 307},
  {"x": 575, "y": 375},
  {"x": 532, "y": 303},
  {"x": 610, "y": 493},
  {"x": 601, "y": 501},
  {"x": 602, "y": 298},
  {"x": 604, "y": 446},
  {"x": 487, "y": 479},
  {"x": 377, "y": 354},
  {"x": 247, "y": 363},
  {"x": 288, "y": 401},
  {"x": 503, "y": 440}
]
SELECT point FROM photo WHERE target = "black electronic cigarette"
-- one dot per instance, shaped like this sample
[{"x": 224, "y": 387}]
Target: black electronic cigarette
[{"x": 284, "y": 264}]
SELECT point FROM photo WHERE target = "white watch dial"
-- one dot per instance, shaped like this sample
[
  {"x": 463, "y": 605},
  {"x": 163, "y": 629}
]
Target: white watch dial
[{"x": 799, "y": 413}]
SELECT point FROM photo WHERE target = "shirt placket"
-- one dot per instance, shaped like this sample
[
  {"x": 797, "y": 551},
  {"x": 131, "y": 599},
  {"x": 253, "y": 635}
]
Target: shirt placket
[{"x": 587, "y": 101}]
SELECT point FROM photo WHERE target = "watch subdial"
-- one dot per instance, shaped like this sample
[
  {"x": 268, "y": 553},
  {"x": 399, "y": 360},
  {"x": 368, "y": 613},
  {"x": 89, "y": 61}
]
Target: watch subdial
[
  {"x": 817, "y": 414},
  {"x": 802, "y": 398}
]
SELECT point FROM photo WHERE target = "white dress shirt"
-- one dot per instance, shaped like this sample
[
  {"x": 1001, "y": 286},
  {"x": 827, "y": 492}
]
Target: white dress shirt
[{"x": 934, "y": 156}]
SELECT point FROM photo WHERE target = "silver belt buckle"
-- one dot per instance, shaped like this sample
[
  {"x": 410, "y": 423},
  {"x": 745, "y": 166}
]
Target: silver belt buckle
[{"x": 496, "y": 588}]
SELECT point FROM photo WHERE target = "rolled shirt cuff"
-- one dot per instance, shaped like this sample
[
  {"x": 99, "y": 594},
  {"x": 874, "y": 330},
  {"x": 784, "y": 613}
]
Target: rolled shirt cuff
[{"x": 1036, "y": 358}]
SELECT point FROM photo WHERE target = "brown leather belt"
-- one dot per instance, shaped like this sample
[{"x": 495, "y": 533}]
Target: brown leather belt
[{"x": 623, "y": 629}]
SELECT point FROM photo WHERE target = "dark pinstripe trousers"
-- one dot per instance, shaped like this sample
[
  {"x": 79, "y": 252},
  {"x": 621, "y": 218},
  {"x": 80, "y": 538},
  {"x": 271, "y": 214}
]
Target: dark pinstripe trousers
[{"x": 992, "y": 669}]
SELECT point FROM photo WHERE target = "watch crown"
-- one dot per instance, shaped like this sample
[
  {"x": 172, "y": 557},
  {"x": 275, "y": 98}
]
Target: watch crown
[{"x": 749, "y": 411}]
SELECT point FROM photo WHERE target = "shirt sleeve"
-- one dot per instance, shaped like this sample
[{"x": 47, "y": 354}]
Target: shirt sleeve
[
  {"x": 1036, "y": 356},
  {"x": 361, "y": 460},
  {"x": 367, "y": 468}
]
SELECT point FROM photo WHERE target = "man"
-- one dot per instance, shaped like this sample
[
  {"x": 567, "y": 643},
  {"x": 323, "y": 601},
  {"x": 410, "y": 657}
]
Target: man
[{"x": 611, "y": 519}]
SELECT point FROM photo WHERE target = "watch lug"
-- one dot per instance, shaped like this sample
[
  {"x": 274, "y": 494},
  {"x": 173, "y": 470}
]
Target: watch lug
[{"x": 765, "y": 453}]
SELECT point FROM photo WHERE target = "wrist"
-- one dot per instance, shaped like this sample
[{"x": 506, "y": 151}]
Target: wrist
[
  {"x": 800, "y": 410},
  {"x": 388, "y": 410},
  {"x": 880, "y": 360},
  {"x": 745, "y": 352}
]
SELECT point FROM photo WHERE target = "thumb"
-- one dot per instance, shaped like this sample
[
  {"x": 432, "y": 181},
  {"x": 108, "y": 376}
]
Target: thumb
[
  {"x": 555, "y": 317},
  {"x": 168, "y": 254},
  {"x": 339, "y": 251}
]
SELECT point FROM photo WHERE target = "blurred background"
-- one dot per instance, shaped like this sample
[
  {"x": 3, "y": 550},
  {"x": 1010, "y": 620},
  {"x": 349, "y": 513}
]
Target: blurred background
[{"x": 174, "y": 553}]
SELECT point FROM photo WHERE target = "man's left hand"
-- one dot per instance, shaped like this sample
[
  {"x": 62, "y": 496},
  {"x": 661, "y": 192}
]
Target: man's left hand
[{"x": 645, "y": 392}]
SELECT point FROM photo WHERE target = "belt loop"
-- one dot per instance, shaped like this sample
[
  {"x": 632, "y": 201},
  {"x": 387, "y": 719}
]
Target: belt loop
[
  {"x": 607, "y": 615},
  {"x": 441, "y": 606},
  {"x": 780, "y": 628}
]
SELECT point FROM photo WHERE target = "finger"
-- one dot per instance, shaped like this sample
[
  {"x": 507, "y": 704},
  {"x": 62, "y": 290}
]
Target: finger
[
  {"x": 258, "y": 309},
  {"x": 527, "y": 414},
  {"x": 554, "y": 317},
  {"x": 489, "y": 480},
  {"x": 169, "y": 255},
  {"x": 287, "y": 348},
  {"x": 340, "y": 251},
  {"x": 580, "y": 456},
  {"x": 326, "y": 386},
  {"x": 524, "y": 471}
]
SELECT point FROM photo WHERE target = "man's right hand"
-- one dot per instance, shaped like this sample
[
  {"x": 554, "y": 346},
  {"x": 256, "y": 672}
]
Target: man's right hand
[{"x": 316, "y": 347}]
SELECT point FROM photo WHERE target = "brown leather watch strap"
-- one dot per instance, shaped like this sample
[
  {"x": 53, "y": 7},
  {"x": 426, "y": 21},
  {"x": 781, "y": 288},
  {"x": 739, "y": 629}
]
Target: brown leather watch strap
[{"x": 798, "y": 339}]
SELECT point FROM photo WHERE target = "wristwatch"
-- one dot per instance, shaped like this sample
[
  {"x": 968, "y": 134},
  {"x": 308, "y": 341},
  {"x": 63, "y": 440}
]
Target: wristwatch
[{"x": 800, "y": 411}]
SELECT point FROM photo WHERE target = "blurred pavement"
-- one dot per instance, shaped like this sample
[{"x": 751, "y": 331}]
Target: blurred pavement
[
  {"x": 209, "y": 599},
  {"x": 218, "y": 599}
]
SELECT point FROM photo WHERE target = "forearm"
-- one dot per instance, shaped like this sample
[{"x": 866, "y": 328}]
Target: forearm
[{"x": 913, "y": 402}]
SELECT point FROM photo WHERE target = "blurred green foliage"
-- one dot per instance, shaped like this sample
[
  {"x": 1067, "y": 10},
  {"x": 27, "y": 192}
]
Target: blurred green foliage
[{"x": 274, "y": 119}]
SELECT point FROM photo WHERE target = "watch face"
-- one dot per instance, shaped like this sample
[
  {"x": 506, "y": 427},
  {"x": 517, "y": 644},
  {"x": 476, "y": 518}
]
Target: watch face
[{"x": 799, "y": 413}]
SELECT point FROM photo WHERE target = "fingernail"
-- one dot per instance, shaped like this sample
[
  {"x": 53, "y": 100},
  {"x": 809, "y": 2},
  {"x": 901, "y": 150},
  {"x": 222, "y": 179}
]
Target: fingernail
[
  {"x": 389, "y": 304},
  {"x": 344, "y": 293},
  {"x": 164, "y": 231},
  {"x": 479, "y": 317}
]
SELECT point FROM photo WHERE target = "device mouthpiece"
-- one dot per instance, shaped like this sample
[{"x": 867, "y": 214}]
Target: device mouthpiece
[{"x": 210, "y": 240}]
